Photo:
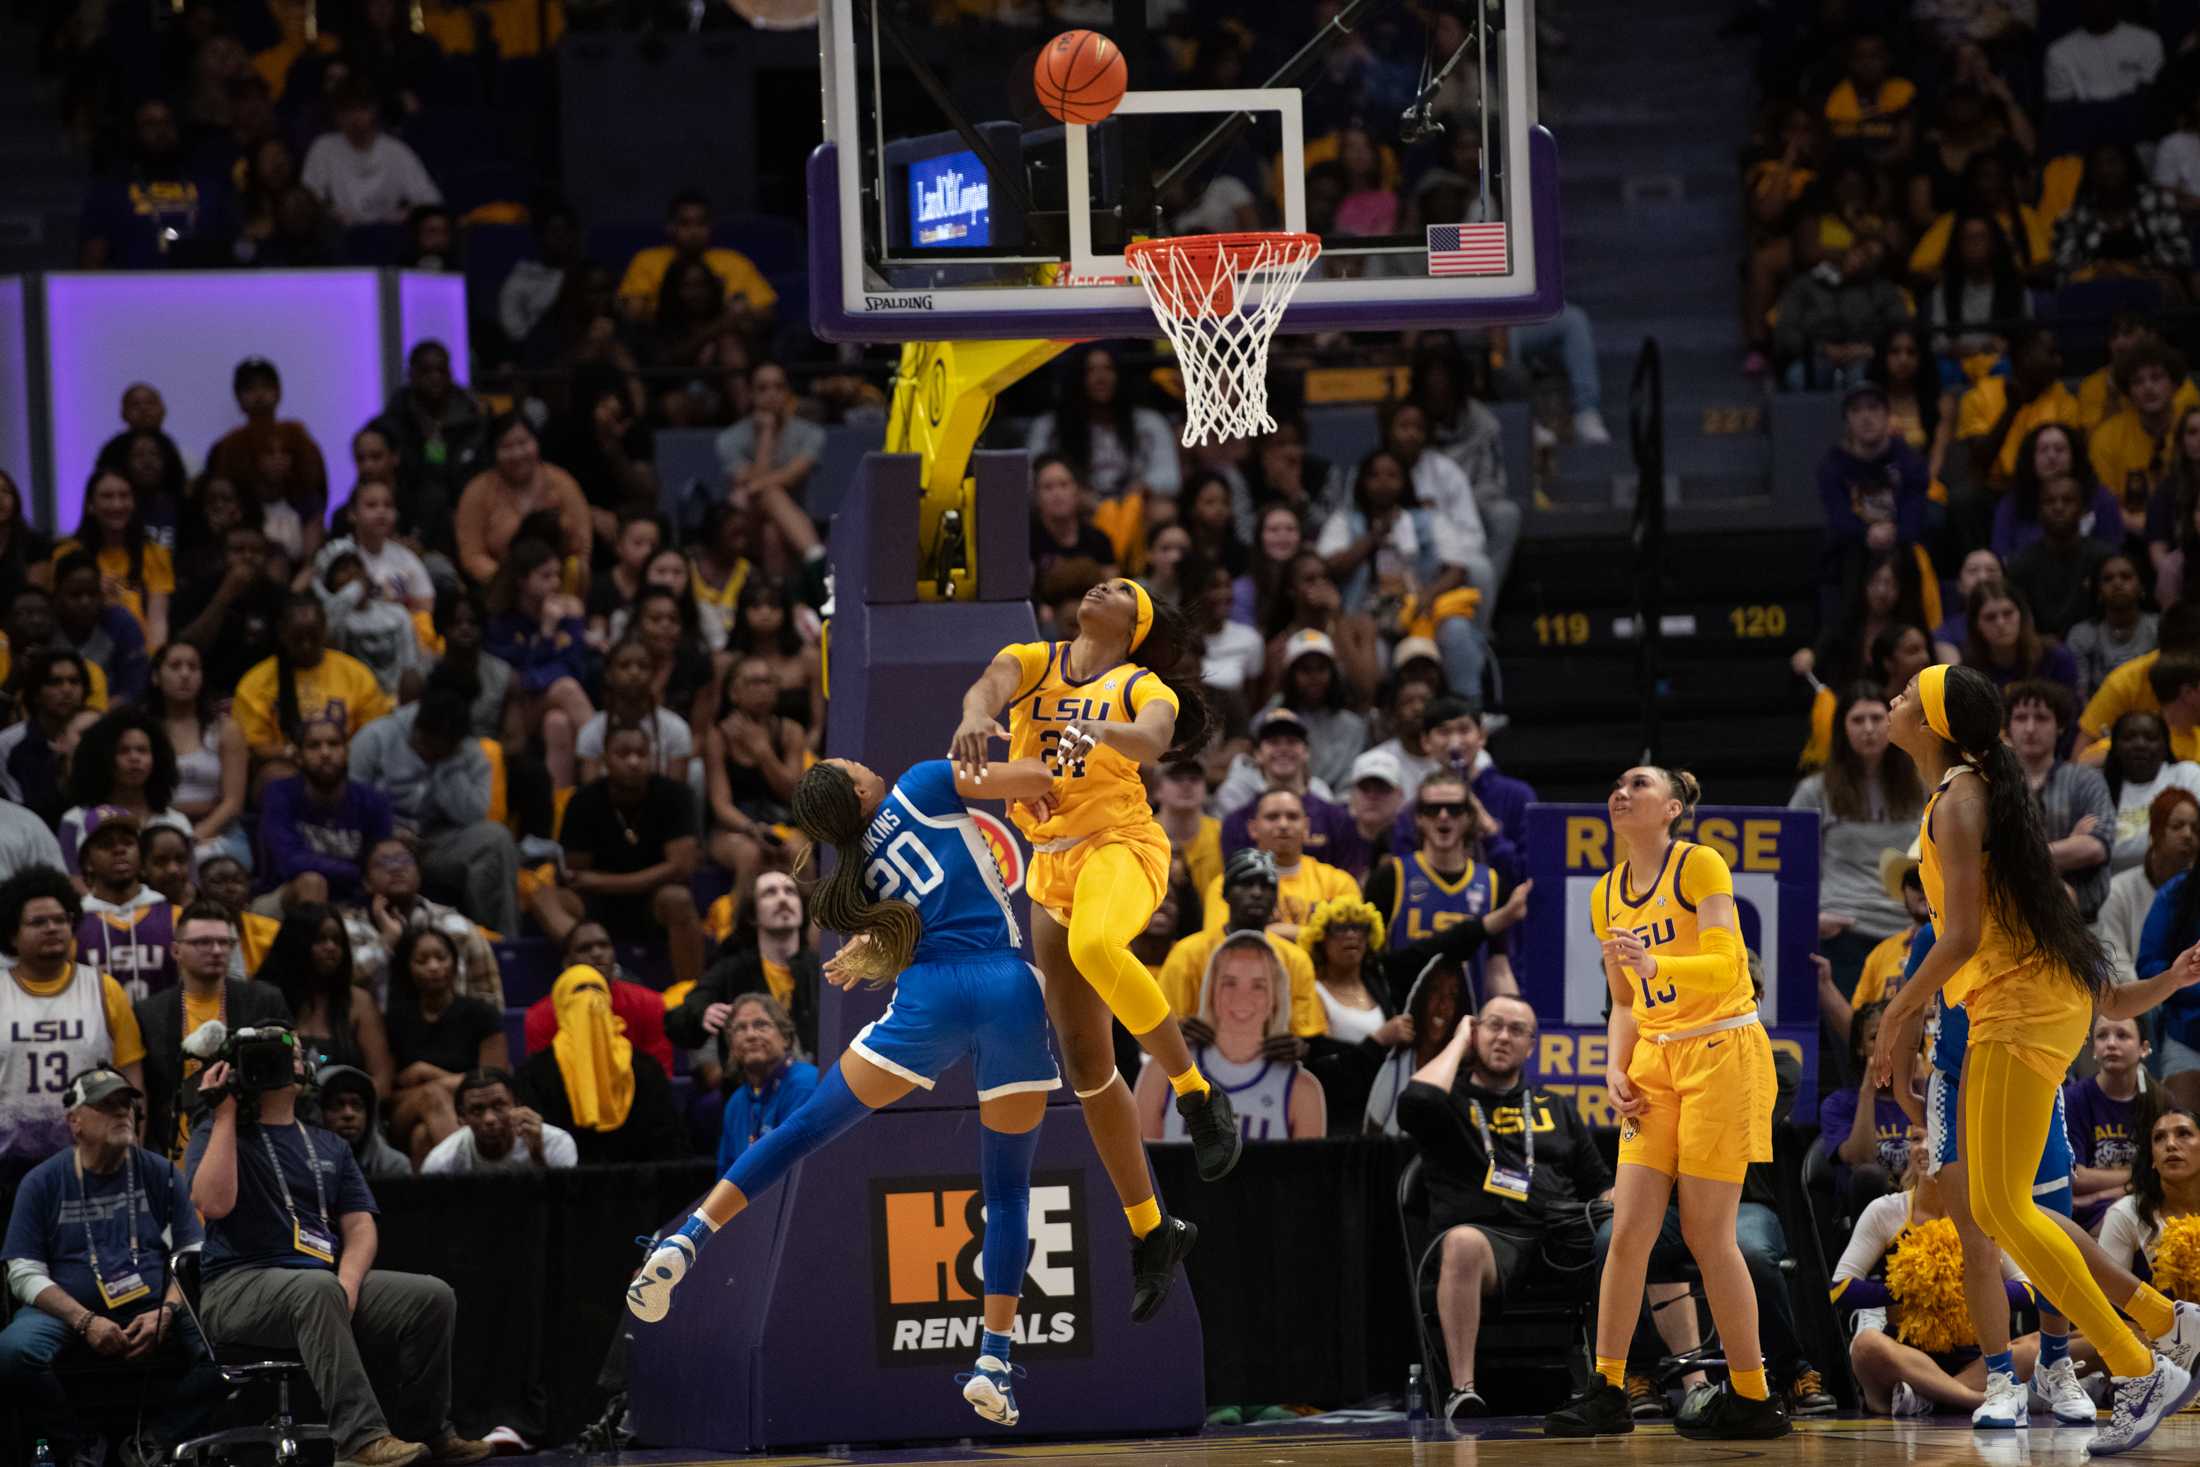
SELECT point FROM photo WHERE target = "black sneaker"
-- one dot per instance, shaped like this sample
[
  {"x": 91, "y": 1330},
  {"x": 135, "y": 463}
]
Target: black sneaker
[
  {"x": 1722, "y": 1415},
  {"x": 1645, "y": 1401},
  {"x": 1153, "y": 1265},
  {"x": 1216, "y": 1141},
  {"x": 1601, "y": 1410},
  {"x": 1807, "y": 1394}
]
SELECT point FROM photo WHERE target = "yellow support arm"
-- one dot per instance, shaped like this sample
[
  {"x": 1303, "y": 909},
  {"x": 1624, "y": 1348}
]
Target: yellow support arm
[{"x": 943, "y": 397}]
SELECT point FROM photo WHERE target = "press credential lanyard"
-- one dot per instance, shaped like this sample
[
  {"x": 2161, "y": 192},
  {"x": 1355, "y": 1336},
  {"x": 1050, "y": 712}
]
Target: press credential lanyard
[
  {"x": 1504, "y": 1181},
  {"x": 318, "y": 1241},
  {"x": 129, "y": 1285}
]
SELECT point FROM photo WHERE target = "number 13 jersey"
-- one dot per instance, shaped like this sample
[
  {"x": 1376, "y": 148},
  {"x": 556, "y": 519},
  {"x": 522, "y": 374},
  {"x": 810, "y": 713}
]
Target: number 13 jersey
[
  {"x": 924, "y": 849},
  {"x": 1108, "y": 794},
  {"x": 1665, "y": 918}
]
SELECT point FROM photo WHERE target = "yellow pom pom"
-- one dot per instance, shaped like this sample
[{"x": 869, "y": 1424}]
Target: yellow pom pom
[
  {"x": 2177, "y": 1259},
  {"x": 1925, "y": 1276}
]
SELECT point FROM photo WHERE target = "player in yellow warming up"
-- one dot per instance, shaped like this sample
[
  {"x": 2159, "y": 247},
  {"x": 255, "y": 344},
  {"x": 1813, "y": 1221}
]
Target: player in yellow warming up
[
  {"x": 1691, "y": 1076},
  {"x": 2015, "y": 952},
  {"x": 1099, "y": 870}
]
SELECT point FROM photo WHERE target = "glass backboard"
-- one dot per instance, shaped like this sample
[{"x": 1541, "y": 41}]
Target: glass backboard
[{"x": 947, "y": 204}]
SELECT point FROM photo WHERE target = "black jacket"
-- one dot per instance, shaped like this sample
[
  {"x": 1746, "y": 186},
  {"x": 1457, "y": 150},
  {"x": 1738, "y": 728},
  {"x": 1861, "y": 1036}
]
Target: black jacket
[
  {"x": 653, "y": 1131},
  {"x": 160, "y": 1021},
  {"x": 1568, "y": 1167},
  {"x": 742, "y": 971}
]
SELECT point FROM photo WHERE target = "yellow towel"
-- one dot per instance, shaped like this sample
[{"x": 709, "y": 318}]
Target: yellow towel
[{"x": 594, "y": 1055}]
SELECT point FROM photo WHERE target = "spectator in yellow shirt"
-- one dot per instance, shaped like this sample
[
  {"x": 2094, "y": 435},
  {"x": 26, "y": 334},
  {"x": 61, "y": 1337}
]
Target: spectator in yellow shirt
[
  {"x": 1998, "y": 412},
  {"x": 303, "y": 681},
  {"x": 2099, "y": 398},
  {"x": 2130, "y": 688},
  {"x": 136, "y": 574},
  {"x": 1195, "y": 837},
  {"x": 687, "y": 226},
  {"x": 1868, "y": 113},
  {"x": 1303, "y": 883},
  {"x": 1249, "y": 884},
  {"x": 2131, "y": 448}
]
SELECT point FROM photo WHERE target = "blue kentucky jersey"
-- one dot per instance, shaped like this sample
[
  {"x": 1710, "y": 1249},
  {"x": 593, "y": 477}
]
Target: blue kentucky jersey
[{"x": 925, "y": 850}]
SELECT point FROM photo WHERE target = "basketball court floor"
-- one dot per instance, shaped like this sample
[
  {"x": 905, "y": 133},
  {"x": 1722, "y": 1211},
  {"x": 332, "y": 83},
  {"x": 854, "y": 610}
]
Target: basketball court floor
[{"x": 1859, "y": 1442}]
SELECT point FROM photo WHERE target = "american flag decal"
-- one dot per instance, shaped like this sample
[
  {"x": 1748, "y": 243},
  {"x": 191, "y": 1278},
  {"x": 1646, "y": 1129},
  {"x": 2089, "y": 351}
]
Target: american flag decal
[{"x": 1467, "y": 249}]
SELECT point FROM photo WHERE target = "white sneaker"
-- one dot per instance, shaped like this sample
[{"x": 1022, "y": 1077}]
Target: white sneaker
[
  {"x": 990, "y": 1390},
  {"x": 2005, "y": 1408},
  {"x": 2055, "y": 1390},
  {"x": 649, "y": 1297},
  {"x": 2141, "y": 1403},
  {"x": 1871, "y": 1319},
  {"x": 2182, "y": 1343},
  {"x": 1541, "y": 437},
  {"x": 1589, "y": 427},
  {"x": 1907, "y": 1402}
]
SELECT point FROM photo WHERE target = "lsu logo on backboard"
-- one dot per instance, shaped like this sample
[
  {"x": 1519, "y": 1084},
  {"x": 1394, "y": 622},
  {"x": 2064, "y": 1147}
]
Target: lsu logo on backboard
[
  {"x": 926, "y": 1289},
  {"x": 1007, "y": 854}
]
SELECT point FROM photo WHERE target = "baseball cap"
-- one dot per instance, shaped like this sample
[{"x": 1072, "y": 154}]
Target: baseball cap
[
  {"x": 109, "y": 821},
  {"x": 1414, "y": 649},
  {"x": 1863, "y": 392},
  {"x": 1308, "y": 643},
  {"x": 1280, "y": 721},
  {"x": 1182, "y": 768},
  {"x": 101, "y": 1082},
  {"x": 1379, "y": 764}
]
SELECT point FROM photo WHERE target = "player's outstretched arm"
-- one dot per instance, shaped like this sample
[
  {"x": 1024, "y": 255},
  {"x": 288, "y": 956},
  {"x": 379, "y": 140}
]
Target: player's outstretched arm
[
  {"x": 979, "y": 727},
  {"x": 1018, "y": 779},
  {"x": 1143, "y": 741}
]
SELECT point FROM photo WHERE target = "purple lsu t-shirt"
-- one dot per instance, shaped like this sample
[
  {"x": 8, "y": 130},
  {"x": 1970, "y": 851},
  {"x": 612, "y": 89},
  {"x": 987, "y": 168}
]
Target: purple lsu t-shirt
[{"x": 2103, "y": 1133}]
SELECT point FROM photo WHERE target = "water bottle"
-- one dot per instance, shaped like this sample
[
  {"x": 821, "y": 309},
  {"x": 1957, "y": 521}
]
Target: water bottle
[
  {"x": 1416, "y": 1396},
  {"x": 43, "y": 1457}
]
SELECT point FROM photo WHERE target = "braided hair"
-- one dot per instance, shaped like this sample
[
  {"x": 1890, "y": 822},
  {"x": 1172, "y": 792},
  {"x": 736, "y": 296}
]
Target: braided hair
[{"x": 828, "y": 810}]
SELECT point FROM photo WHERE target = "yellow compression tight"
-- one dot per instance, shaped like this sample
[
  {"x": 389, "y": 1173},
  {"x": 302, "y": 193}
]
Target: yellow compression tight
[
  {"x": 2007, "y": 1107},
  {"x": 1113, "y": 904}
]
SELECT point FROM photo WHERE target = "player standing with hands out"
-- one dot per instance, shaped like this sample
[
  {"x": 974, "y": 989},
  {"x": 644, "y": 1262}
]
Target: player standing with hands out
[
  {"x": 1691, "y": 1076},
  {"x": 2013, "y": 949},
  {"x": 1099, "y": 871}
]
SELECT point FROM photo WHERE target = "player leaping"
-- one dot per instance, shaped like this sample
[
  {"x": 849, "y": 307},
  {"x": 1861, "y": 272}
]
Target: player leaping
[
  {"x": 937, "y": 917},
  {"x": 1099, "y": 870}
]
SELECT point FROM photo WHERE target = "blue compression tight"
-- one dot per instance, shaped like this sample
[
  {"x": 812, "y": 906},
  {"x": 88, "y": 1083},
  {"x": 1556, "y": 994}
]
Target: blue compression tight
[
  {"x": 830, "y": 1113},
  {"x": 1004, "y": 1166}
]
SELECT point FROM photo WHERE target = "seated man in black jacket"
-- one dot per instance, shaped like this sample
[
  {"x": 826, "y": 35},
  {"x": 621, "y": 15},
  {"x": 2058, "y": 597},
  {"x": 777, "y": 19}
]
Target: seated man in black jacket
[
  {"x": 1509, "y": 1202},
  {"x": 769, "y": 952}
]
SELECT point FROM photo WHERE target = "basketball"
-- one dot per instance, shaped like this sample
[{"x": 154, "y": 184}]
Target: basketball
[{"x": 1080, "y": 76}]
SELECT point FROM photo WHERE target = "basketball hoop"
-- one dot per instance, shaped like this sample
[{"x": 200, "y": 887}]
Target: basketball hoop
[{"x": 1220, "y": 297}]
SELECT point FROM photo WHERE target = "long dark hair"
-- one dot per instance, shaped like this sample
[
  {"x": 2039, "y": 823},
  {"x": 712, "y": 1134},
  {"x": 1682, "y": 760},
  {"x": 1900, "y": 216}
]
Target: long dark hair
[
  {"x": 1842, "y": 654},
  {"x": 401, "y": 961},
  {"x": 526, "y": 556},
  {"x": 827, "y": 809},
  {"x": 2024, "y": 891},
  {"x": 287, "y": 716},
  {"x": 1975, "y": 651},
  {"x": 1172, "y": 653},
  {"x": 91, "y": 536},
  {"x": 1925, "y": 386},
  {"x": 2183, "y": 479},
  {"x": 2152, "y": 1108},
  {"x": 757, "y": 590},
  {"x": 92, "y": 770},
  {"x": 1864, "y": 1013},
  {"x": 155, "y": 703},
  {"x": 289, "y": 963},
  {"x": 1073, "y": 416},
  {"x": 1848, "y": 783},
  {"x": 2008, "y": 300}
]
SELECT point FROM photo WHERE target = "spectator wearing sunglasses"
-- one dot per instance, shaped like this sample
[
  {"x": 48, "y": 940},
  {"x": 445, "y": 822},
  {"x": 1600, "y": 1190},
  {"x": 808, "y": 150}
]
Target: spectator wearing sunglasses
[{"x": 1440, "y": 899}]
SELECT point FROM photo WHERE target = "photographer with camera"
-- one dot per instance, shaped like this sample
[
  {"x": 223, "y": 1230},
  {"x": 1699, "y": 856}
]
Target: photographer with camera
[
  {"x": 185, "y": 1026},
  {"x": 290, "y": 1242}
]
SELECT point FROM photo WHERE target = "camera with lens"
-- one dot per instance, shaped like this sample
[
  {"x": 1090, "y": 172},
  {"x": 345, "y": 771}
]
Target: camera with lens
[{"x": 260, "y": 1059}]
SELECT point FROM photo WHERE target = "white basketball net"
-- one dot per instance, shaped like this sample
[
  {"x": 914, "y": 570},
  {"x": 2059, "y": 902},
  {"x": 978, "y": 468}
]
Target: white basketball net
[{"x": 1220, "y": 305}]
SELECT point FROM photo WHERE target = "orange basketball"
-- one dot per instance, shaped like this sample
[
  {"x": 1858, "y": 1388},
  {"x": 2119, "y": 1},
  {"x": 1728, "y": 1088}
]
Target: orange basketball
[{"x": 1080, "y": 76}]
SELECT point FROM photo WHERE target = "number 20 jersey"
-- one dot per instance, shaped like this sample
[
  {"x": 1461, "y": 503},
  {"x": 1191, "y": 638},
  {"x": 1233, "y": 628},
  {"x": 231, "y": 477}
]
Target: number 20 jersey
[
  {"x": 1665, "y": 919},
  {"x": 924, "y": 849}
]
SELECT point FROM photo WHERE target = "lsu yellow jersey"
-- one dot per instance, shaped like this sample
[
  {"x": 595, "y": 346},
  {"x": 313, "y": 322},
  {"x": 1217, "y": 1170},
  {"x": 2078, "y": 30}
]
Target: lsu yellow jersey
[
  {"x": 1108, "y": 793},
  {"x": 1999, "y": 950},
  {"x": 1664, "y": 918}
]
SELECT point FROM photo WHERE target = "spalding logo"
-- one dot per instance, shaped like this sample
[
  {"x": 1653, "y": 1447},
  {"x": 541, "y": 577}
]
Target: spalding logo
[{"x": 1007, "y": 854}]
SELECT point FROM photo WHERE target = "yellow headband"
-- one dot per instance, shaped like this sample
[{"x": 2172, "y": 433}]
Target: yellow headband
[
  {"x": 1932, "y": 696},
  {"x": 1144, "y": 624}
]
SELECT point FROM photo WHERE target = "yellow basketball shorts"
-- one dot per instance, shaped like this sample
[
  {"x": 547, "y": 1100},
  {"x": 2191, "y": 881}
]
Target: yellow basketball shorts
[
  {"x": 1052, "y": 880},
  {"x": 1708, "y": 1104}
]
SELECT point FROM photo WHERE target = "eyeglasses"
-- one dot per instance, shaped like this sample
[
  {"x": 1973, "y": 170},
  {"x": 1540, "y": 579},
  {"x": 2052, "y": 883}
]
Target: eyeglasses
[
  {"x": 1513, "y": 1027},
  {"x": 1433, "y": 809},
  {"x": 206, "y": 942}
]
